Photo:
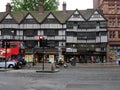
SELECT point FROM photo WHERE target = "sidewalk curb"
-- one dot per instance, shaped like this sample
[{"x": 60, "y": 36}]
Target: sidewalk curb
[
  {"x": 4, "y": 70},
  {"x": 56, "y": 70}
]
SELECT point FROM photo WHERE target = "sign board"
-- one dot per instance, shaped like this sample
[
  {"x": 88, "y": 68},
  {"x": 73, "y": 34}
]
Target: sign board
[
  {"x": 51, "y": 58},
  {"x": 29, "y": 58}
]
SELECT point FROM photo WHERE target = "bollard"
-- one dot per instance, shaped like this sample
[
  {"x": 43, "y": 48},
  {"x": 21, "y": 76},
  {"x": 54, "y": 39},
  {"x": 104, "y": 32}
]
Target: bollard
[{"x": 52, "y": 67}]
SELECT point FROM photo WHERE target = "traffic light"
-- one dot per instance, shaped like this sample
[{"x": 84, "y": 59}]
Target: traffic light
[
  {"x": 7, "y": 44},
  {"x": 41, "y": 38},
  {"x": 3, "y": 44},
  {"x": 45, "y": 43}
]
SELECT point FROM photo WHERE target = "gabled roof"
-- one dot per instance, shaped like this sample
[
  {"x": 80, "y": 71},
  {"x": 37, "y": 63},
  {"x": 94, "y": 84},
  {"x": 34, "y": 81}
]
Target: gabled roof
[
  {"x": 62, "y": 17},
  {"x": 52, "y": 15},
  {"x": 99, "y": 12},
  {"x": 74, "y": 12},
  {"x": 19, "y": 16},
  {"x": 27, "y": 15},
  {"x": 39, "y": 16},
  {"x": 4, "y": 15},
  {"x": 87, "y": 13}
]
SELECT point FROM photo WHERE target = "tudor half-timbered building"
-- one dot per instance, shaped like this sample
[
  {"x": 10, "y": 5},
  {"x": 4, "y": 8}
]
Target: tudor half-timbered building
[
  {"x": 79, "y": 33},
  {"x": 86, "y": 35}
]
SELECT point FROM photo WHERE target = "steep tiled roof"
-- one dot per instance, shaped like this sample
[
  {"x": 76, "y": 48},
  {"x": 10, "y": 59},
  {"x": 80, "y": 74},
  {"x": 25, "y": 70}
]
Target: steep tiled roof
[
  {"x": 39, "y": 16},
  {"x": 87, "y": 13},
  {"x": 62, "y": 17},
  {"x": 2, "y": 15},
  {"x": 18, "y": 16}
]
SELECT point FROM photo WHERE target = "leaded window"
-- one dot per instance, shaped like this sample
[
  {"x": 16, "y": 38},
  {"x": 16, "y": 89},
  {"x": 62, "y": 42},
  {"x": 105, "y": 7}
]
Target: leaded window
[
  {"x": 30, "y": 21},
  {"x": 70, "y": 25},
  {"x": 51, "y": 32},
  {"x": 71, "y": 33},
  {"x": 51, "y": 21},
  {"x": 30, "y": 32},
  {"x": 112, "y": 34},
  {"x": 119, "y": 34},
  {"x": 111, "y": 22},
  {"x": 8, "y": 32},
  {"x": 103, "y": 24},
  {"x": 8, "y": 21},
  {"x": 119, "y": 22},
  {"x": 86, "y": 36}
]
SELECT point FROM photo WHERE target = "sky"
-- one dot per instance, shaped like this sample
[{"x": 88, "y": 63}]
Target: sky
[{"x": 71, "y": 4}]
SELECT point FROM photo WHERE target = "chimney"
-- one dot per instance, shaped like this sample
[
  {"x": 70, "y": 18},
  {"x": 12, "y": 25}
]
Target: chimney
[
  {"x": 95, "y": 4},
  {"x": 64, "y": 7},
  {"x": 41, "y": 8},
  {"x": 8, "y": 7}
]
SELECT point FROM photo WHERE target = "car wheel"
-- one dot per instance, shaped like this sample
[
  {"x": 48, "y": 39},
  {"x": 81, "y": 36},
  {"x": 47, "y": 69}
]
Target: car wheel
[{"x": 11, "y": 66}]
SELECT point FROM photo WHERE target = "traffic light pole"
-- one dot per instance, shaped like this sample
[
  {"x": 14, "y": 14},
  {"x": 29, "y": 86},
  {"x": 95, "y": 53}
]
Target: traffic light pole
[
  {"x": 43, "y": 44},
  {"x": 43, "y": 57},
  {"x": 5, "y": 53}
]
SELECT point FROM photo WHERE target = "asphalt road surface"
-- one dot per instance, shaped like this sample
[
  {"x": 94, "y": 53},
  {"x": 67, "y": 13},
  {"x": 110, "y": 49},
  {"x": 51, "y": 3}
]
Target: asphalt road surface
[{"x": 72, "y": 78}]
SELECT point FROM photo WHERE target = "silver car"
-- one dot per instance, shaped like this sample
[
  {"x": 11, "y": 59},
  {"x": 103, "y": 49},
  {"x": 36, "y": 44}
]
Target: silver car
[{"x": 7, "y": 64}]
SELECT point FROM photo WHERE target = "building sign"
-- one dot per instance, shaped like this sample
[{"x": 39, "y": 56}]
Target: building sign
[
  {"x": 111, "y": 54},
  {"x": 29, "y": 58},
  {"x": 51, "y": 58},
  {"x": 62, "y": 57}
]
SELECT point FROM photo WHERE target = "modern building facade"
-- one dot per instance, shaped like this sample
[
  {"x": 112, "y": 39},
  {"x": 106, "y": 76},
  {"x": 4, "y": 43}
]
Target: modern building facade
[
  {"x": 79, "y": 33},
  {"x": 111, "y": 10}
]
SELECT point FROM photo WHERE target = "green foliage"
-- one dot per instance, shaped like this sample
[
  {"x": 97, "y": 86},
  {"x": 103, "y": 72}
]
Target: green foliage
[{"x": 32, "y": 5}]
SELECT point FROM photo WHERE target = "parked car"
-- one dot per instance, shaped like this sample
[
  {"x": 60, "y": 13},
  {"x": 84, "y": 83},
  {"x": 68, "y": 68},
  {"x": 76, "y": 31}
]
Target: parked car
[{"x": 9, "y": 63}]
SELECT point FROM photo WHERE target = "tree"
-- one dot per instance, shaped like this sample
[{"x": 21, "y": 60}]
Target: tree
[{"x": 32, "y": 5}]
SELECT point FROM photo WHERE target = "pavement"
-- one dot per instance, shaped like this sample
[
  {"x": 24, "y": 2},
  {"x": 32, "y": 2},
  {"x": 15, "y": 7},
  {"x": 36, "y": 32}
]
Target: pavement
[{"x": 47, "y": 67}]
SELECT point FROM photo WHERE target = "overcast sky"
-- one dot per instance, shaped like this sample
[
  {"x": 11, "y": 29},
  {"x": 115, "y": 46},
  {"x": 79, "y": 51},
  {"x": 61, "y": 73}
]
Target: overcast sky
[{"x": 71, "y": 4}]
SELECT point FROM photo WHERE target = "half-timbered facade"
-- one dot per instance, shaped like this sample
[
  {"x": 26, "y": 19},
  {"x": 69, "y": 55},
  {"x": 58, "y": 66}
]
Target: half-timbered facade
[
  {"x": 86, "y": 36},
  {"x": 80, "y": 33},
  {"x": 111, "y": 10}
]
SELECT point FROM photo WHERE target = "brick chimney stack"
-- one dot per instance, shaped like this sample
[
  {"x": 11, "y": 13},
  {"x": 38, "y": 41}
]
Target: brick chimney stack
[
  {"x": 8, "y": 7},
  {"x": 64, "y": 7},
  {"x": 41, "y": 8},
  {"x": 95, "y": 4}
]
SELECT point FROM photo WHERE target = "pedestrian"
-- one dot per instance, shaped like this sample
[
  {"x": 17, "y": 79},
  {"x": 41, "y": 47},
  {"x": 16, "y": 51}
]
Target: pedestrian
[
  {"x": 111, "y": 59},
  {"x": 92, "y": 59},
  {"x": 73, "y": 61},
  {"x": 98, "y": 59}
]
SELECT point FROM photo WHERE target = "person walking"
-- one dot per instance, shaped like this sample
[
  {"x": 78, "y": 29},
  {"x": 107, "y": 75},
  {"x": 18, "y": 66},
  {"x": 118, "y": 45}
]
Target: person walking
[
  {"x": 111, "y": 59},
  {"x": 92, "y": 59},
  {"x": 73, "y": 61}
]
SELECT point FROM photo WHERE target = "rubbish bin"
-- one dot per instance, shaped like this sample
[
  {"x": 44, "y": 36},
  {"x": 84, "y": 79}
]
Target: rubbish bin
[{"x": 118, "y": 62}]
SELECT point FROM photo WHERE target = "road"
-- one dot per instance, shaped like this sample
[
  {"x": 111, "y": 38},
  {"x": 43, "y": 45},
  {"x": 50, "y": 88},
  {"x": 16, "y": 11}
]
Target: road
[{"x": 72, "y": 78}]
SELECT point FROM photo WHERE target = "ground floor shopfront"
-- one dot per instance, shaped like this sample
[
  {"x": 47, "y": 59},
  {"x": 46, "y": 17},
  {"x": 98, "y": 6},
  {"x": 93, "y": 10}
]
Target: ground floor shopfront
[
  {"x": 87, "y": 57},
  {"x": 48, "y": 54}
]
